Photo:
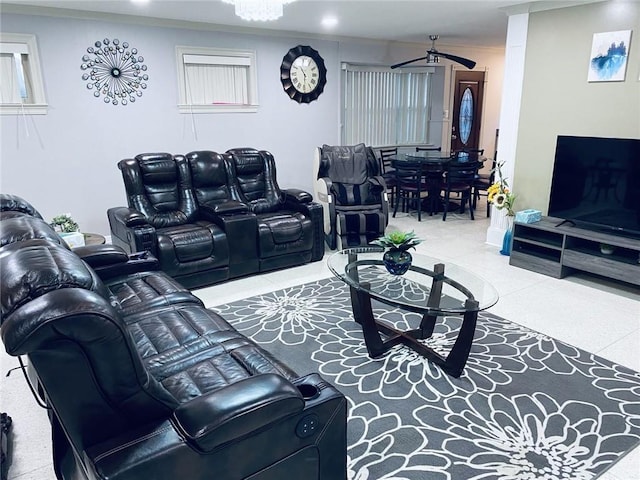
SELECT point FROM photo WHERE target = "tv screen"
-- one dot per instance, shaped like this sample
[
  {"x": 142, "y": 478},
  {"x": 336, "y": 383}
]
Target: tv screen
[{"x": 596, "y": 183}]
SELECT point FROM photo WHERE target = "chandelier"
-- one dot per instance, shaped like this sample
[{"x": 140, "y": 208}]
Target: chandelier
[{"x": 260, "y": 10}]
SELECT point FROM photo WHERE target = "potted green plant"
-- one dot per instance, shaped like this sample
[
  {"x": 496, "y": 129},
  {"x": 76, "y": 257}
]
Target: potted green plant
[
  {"x": 396, "y": 258},
  {"x": 68, "y": 229},
  {"x": 64, "y": 224}
]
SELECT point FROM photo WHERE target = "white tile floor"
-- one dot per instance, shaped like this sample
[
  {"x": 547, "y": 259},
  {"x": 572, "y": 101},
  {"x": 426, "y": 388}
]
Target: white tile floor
[{"x": 598, "y": 316}]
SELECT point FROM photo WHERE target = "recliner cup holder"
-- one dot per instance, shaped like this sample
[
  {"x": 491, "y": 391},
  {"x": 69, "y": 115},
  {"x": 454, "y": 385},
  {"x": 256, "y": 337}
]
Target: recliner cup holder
[{"x": 308, "y": 391}]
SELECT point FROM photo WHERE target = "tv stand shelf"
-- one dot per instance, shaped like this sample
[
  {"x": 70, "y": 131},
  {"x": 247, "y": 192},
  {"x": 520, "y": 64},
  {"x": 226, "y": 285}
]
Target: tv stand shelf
[{"x": 558, "y": 250}]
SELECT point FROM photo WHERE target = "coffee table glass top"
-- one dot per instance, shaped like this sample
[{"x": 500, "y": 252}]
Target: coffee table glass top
[{"x": 362, "y": 268}]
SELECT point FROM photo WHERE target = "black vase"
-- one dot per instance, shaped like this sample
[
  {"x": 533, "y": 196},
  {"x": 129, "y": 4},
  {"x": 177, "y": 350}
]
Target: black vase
[{"x": 397, "y": 261}]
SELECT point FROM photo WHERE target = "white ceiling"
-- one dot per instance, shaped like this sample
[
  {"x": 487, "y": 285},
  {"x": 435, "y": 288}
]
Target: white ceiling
[{"x": 458, "y": 22}]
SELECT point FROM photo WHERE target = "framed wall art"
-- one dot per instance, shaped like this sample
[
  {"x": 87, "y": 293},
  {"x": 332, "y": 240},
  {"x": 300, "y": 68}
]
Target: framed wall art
[{"x": 609, "y": 55}]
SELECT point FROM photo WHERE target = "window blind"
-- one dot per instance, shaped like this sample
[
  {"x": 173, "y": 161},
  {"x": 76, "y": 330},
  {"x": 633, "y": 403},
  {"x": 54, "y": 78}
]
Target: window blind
[{"x": 385, "y": 107}]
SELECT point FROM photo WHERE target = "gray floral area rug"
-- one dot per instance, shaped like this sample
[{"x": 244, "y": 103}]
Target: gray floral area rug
[{"x": 526, "y": 407}]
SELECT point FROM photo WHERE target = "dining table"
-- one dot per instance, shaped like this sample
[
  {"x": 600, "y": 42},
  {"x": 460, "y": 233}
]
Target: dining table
[
  {"x": 434, "y": 164},
  {"x": 438, "y": 157}
]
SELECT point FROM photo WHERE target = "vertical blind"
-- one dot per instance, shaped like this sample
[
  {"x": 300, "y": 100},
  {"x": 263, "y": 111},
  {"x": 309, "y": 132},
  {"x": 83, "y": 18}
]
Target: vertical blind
[{"x": 385, "y": 107}]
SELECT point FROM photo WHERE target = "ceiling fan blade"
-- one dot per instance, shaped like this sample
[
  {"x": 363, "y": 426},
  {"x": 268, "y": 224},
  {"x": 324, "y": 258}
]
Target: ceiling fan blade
[
  {"x": 464, "y": 61},
  {"x": 408, "y": 62}
]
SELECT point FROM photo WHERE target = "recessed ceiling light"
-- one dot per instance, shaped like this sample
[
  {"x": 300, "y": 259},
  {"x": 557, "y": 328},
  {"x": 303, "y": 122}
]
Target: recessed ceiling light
[{"x": 329, "y": 21}]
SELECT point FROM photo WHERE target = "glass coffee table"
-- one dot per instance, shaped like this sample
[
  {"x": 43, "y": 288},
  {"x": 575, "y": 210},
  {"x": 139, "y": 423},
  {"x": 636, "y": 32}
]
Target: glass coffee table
[{"x": 431, "y": 287}]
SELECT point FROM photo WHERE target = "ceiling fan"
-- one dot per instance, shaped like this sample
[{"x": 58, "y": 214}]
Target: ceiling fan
[{"x": 433, "y": 55}]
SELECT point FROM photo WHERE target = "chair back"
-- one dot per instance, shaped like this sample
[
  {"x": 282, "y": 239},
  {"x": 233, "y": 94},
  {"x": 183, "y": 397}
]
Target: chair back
[
  {"x": 255, "y": 175},
  {"x": 461, "y": 175},
  {"x": 408, "y": 175},
  {"x": 386, "y": 154},
  {"x": 428, "y": 149},
  {"x": 348, "y": 164},
  {"x": 159, "y": 186},
  {"x": 210, "y": 176},
  {"x": 350, "y": 169}
]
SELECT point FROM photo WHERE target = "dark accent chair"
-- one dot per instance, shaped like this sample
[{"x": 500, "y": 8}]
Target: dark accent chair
[
  {"x": 192, "y": 214},
  {"x": 143, "y": 382},
  {"x": 354, "y": 195}
]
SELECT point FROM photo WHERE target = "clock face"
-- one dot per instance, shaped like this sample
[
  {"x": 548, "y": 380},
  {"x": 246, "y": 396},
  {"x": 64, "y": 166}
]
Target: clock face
[{"x": 303, "y": 74}]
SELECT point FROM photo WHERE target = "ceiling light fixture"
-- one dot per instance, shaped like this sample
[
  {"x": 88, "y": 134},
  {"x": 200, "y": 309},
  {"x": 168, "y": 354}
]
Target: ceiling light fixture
[
  {"x": 259, "y": 10},
  {"x": 329, "y": 22}
]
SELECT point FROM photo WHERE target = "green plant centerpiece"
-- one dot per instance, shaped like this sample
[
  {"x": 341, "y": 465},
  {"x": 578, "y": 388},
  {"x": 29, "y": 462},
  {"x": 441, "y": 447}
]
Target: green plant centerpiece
[
  {"x": 397, "y": 258},
  {"x": 64, "y": 224}
]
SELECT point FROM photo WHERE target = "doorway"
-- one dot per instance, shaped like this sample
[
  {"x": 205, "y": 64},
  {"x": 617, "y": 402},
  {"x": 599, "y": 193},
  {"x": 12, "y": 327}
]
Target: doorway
[{"x": 467, "y": 110}]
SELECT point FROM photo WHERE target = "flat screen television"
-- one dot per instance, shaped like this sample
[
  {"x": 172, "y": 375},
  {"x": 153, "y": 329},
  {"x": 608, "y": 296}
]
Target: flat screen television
[{"x": 596, "y": 183}]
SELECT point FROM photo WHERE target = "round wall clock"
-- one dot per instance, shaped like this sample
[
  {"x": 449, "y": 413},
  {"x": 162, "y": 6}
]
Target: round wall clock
[
  {"x": 303, "y": 74},
  {"x": 115, "y": 71}
]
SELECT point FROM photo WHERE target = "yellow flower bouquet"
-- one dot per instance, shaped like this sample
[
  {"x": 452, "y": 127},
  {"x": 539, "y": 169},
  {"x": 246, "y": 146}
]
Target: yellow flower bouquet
[{"x": 499, "y": 193}]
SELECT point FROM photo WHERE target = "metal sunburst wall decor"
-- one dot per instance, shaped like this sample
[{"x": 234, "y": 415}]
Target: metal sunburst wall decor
[{"x": 115, "y": 71}]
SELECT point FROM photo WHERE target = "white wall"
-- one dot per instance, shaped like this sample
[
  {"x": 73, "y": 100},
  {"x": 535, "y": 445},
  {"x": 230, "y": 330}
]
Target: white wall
[{"x": 65, "y": 161}]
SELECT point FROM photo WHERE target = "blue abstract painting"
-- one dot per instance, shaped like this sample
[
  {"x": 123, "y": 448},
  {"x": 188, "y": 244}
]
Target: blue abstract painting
[{"x": 609, "y": 54}]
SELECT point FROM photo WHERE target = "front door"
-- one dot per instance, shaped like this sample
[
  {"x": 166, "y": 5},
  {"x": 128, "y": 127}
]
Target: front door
[{"x": 467, "y": 110}]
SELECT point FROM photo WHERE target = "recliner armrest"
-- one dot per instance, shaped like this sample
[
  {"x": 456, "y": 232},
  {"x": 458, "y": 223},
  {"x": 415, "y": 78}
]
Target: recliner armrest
[
  {"x": 130, "y": 217},
  {"x": 101, "y": 255},
  {"x": 131, "y": 230},
  {"x": 217, "y": 418},
  {"x": 297, "y": 195},
  {"x": 228, "y": 207}
]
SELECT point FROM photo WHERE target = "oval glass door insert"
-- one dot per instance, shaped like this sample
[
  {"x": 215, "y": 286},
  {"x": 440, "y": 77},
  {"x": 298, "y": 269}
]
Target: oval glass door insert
[{"x": 466, "y": 115}]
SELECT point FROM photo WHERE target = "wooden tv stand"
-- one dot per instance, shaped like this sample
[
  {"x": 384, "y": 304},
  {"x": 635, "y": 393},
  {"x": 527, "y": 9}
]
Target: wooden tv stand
[{"x": 557, "y": 251}]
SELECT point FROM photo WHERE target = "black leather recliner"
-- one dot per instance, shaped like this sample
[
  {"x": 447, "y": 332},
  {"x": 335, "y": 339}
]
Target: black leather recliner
[
  {"x": 143, "y": 382},
  {"x": 350, "y": 186},
  {"x": 194, "y": 215},
  {"x": 289, "y": 222}
]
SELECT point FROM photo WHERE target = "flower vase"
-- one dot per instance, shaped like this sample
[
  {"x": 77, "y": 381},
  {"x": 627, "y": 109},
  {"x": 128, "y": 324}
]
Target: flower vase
[
  {"x": 397, "y": 262},
  {"x": 508, "y": 236}
]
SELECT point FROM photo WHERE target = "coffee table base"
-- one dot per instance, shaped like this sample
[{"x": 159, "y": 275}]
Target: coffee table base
[{"x": 453, "y": 364}]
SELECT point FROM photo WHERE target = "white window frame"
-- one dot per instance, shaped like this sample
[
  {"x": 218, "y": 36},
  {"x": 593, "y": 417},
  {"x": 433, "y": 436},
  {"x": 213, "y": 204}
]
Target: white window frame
[
  {"x": 25, "y": 44},
  {"x": 391, "y": 112},
  {"x": 216, "y": 56}
]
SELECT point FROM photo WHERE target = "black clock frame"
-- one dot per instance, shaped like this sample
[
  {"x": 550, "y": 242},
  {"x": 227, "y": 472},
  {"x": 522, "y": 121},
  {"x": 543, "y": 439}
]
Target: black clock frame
[{"x": 285, "y": 74}]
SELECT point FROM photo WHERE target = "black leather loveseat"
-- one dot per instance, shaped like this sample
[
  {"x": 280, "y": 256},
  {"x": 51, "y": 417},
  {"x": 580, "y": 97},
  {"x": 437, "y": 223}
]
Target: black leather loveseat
[
  {"x": 142, "y": 381},
  {"x": 208, "y": 217}
]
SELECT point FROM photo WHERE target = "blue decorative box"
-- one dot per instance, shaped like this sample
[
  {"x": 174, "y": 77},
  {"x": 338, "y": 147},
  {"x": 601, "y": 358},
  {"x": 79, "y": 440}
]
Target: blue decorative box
[{"x": 528, "y": 216}]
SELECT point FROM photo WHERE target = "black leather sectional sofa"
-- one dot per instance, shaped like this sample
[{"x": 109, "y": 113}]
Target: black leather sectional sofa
[
  {"x": 142, "y": 381},
  {"x": 208, "y": 217}
]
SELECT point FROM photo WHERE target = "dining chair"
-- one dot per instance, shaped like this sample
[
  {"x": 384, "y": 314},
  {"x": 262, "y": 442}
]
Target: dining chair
[
  {"x": 386, "y": 154},
  {"x": 410, "y": 188},
  {"x": 459, "y": 179},
  {"x": 428, "y": 149},
  {"x": 481, "y": 185}
]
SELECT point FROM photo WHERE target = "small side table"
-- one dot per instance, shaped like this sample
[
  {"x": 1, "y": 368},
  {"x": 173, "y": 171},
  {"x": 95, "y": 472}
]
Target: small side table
[{"x": 94, "y": 239}]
